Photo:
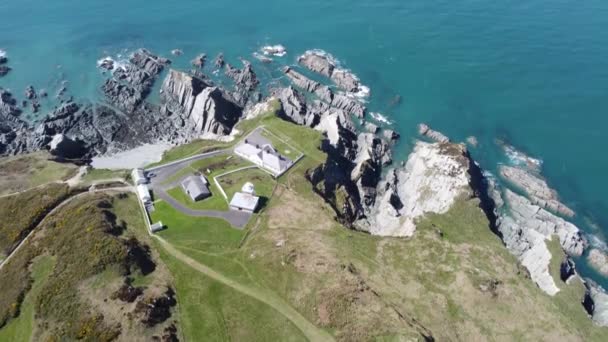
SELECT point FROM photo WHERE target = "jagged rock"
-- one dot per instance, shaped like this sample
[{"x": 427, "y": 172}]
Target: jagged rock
[
  {"x": 3, "y": 59},
  {"x": 317, "y": 62},
  {"x": 205, "y": 108},
  {"x": 43, "y": 93},
  {"x": 390, "y": 135},
  {"x": 349, "y": 105},
  {"x": 219, "y": 61},
  {"x": 525, "y": 227},
  {"x": 121, "y": 95},
  {"x": 425, "y": 130},
  {"x": 294, "y": 108},
  {"x": 106, "y": 64},
  {"x": 150, "y": 63},
  {"x": 434, "y": 176},
  {"x": 537, "y": 188},
  {"x": 567, "y": 270},
  {"x": 370, "y": 127},
  {"x": 64, "y": 147},
  {"x": 337, "y": 125},
  {"x": 30, "y": 93},
  {"x": 599, "y": 261},
  {"x": 199, "y": 61},
  {"x": 177, "y": 52},
  {"x": 345, "y": 80},
  {"x": 596, "y": 303},
  {"x": 302, "y": 81},
  {"x": 245, "y": 79},
  {"x": 372, "y": 153}
]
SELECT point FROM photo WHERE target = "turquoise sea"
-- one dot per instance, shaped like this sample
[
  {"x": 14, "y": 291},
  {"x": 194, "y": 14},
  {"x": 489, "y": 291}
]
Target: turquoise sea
[{"x": 533, "y": 72}]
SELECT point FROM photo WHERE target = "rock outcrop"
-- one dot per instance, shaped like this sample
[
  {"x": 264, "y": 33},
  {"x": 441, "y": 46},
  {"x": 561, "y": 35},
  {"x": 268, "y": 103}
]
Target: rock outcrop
[
  {"x": 204, "y": 108},
  {"x": 525, "y": 229},
  {"x": 433, "y": 178},
  {"x": 596, "y": 303},
  {"x": 599, "y": 261},
  {"x": 317, "y": 62},
  {"x": 536, "y": 188},
  {"x": 425, "y": 130},
  {"x": 295, "y": 108}
]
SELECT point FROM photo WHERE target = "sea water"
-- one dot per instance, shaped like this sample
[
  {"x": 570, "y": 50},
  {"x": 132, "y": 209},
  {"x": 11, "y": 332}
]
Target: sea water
[{"x": 533, "y": 73}]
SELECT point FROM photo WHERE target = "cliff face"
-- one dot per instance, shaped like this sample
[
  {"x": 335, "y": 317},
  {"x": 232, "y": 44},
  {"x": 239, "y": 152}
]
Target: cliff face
[
  {"x": 204, "y": 108},
  {"x": 434, "y": 176}
]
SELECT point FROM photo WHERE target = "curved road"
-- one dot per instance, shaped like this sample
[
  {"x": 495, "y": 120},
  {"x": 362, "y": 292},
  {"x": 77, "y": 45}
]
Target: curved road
[{"x": 160, "y": 174}]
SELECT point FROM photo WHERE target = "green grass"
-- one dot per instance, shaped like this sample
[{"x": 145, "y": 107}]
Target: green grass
[
  {"x": 216, "y": 165},
  {"x": 210, "y": 311},
  {"x": 21, "y": 328},
  {"x": 204, "y": 233},
  {"x": 94, "y": 175},
  {"x": 190, "y": 149},
  {"x": 278, "y": 142},
  {"x": 263, "y": 182},
  {"x": 23, "y": 211},
  {"x": 215, "y": 202},
  {"x": 30, "y": 170}
]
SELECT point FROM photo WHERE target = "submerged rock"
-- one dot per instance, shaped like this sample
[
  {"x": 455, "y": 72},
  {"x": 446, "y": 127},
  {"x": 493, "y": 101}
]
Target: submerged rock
[
  {"x": 434, "y": 176},
  {"x": 199, "y": 61},
  {"x": 317, "y": 62},
  {"x": 345, "y": 80},
  {"x": 4, "y": 70},
  {"x": 536, "y": 188},
  {"x": 599, "y": 261},
  {"x": 425, "y": 130},
  {"x": 219, "y": 61}
]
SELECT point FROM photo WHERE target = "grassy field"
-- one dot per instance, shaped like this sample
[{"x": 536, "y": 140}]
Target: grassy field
[
  {"x": 30, "y": 170},
  {"x": 190, "y": 149},
  {"x": 23, "y": 211},
  {"x": 95, "y": 175},
  {"x": 263, "y": 182},
  {"x": 215, "y": 202},
  {"x": 204, "y": 233},
  {"x": 278, "y": 142},
  {"x": 21, "y": 328},
  {"x": 93, "y": 256}
]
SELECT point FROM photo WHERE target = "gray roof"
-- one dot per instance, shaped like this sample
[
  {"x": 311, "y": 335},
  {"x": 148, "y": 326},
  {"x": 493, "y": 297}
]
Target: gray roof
[
  {"x": 195, "y": 186},
  {"x": 244, "y": 201}
]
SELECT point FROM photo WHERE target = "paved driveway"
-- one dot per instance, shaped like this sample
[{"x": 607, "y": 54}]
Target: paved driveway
[{"x": 237, "y": 219}]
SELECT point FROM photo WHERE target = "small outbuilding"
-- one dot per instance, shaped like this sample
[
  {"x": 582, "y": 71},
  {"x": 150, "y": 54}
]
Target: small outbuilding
[
  {"x": 144, "y": 194},
  {"x": 158, "y": 226},
  {"x": 196, "y": 187},
  {"x": 139, "y": 177},
  {"x": 244, "y": 202}
]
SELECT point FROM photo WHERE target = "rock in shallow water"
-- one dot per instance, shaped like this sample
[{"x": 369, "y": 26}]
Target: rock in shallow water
[{"x": 599, "y": 261}]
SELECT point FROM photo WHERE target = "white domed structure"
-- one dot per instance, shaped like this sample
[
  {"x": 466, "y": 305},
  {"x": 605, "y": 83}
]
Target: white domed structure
[{"x": 248, "y": 188}]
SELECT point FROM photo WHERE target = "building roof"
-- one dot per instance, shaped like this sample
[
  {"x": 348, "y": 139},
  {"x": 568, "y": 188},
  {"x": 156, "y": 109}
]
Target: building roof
[
  {"x": 272, "y": 161},
  {"x": 143, "y": 192},
  {"x": 244, "y": 201},
  {"x": 139, "y": 176},
  {"x": 195, "y": 186}
]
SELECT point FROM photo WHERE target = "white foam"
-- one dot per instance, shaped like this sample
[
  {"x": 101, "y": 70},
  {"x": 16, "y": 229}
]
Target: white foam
[
  {"x": 521, "y": 159},
  {"x": 333, "y": 60},
  {"x": 274, "y": 50},
  {"x": 262, "y": 58},
  {"x": 380, "y": 118},
  {"x": 2, "y": 53},
  {"x": 597, "y": 242},
  {"x": 101, "y": 61}
]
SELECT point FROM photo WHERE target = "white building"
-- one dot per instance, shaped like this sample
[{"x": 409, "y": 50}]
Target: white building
[
  {"x": 158, "y": 226},
  {"x": 244, "y": 202},
  {"x": 139, "y": 177},
  {"x": 144, "y": 194},
  {"x": 264, "y": 156}
]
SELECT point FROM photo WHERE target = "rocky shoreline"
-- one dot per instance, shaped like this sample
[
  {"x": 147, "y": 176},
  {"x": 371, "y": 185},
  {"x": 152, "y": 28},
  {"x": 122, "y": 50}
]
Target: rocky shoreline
[{"x": 436, "y": 174}]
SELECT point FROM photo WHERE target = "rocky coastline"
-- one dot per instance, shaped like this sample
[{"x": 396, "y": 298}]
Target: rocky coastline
[{"x": 525, "y": 212}]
